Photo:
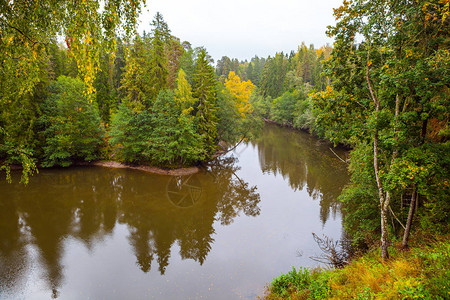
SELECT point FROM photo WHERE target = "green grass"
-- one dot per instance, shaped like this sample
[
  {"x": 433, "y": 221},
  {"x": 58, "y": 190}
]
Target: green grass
[{"x": 422, "y": 272}]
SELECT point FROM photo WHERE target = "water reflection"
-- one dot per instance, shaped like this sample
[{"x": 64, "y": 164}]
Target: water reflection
[
  {"x": 305, "y": 162},
  {"x": 74, "y": 233},
  {"x": 86, "y": 204}
]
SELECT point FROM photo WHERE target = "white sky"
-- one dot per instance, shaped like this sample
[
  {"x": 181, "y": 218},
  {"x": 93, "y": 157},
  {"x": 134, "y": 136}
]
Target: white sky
[{"x": 245, "y": 28}]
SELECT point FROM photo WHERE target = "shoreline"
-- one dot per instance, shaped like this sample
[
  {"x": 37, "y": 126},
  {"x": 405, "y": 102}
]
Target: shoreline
[
  {"x": 291, "y": 127},
  {"x": 118, "y": 165},
  {"x": 148, "y": 169}
]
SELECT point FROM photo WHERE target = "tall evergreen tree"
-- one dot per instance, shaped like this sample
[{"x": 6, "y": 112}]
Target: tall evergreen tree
[
  {"x": 158, "y": 73},
  {"x": 187, "y": 61},
  {"x": 136, "y": 83},
  {"x": 204, "y": 90},
  {"x": 273, "y": 76},
  {"x": 173, "y": 51}
]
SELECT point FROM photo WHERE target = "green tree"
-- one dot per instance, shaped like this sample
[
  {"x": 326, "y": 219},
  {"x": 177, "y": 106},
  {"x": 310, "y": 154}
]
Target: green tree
[
  {"x": 61, "y": 62},
  {"x": 130, "y": 133},
  {"x": 26, "y": 31},
  {"x": 158, "y": 72},
  {"x": 173, "y": 51},
  {"x": 273, "y": 76},
  {"x": 136, "y": 82},
  {"x": 187, "y": 61},
  {"x": 386, "y": 92},
  {"x": 173, "y": 141},
  {"x": 283, "y": 109},
  {"x": 224, "y": 66},
  {"x": 204, "y": 89},
  {"x": 72, "y": 123},
  {"x": 106, "y": 95}
]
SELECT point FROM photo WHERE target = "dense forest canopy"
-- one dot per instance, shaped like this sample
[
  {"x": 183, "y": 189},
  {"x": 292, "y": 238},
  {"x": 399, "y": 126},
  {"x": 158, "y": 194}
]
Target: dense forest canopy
[
  {"x": 30, "y": 60},
  {"x": 107, "y": 92},
  {"x": 389, "y": 100}
]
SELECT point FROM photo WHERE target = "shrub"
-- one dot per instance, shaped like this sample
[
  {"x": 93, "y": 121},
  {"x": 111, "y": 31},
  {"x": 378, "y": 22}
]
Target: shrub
[{"x": 291, "y": 282}]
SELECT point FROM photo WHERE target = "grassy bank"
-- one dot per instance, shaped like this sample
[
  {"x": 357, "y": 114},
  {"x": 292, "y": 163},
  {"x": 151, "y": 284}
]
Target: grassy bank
[{"x": 420, "y": 272}]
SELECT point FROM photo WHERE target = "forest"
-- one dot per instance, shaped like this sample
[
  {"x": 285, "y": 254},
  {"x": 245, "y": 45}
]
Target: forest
[
  {"x": 150, "y": 99},
  {"x": 105, "y": 92}
]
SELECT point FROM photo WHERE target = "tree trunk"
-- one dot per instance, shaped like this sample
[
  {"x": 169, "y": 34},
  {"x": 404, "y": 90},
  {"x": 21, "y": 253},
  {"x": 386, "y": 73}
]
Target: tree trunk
[
  {"x": 384, "y": 235},
  {"x": 412, "y": 208},
  {"x": 384, "y": 227},
  {"x": 384, "y": 202},
  {"x": 423, "y": 133},
  {"x": 384, "y": 199}
]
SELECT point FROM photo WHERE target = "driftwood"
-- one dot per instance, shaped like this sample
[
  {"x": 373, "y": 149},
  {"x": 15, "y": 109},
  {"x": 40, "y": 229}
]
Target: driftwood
[
  {"x": 149, "y": 169},
  {"x": 333, "y": 253}
]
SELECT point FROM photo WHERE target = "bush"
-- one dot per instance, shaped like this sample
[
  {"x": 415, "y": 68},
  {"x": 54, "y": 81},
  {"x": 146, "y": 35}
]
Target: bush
[
  {"x": 292, "y": 282},
  {"x": 320, "y": 285}
]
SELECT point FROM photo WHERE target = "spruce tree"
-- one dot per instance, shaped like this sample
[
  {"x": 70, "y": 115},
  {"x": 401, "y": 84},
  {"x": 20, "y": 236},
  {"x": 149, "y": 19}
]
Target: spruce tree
[
  {"x": 158, "y": 73},
  {"x": 205, "y": 91}
]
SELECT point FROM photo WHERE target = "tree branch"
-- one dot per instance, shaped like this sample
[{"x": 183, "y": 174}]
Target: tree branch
[
  {"x": 338, "y": 156},
  {"x": 392, "y": 212},
  {"x": 22, "y": 33}
]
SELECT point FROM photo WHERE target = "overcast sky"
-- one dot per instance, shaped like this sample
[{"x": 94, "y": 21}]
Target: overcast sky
[{"x": 245, "y": 28}]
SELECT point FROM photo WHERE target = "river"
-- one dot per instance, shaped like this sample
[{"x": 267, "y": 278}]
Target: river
[{"x": 224, "y": 233}]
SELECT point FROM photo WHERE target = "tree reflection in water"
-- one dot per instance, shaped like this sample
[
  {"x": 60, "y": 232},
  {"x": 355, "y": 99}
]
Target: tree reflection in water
[
  {"x": 158, "y": 212},
  {"x": 86, "y": 203},
  {"x": 304, "y": 161}
]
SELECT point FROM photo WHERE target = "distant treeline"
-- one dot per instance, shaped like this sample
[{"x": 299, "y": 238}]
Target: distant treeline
[{"x": 283, "y": 83}]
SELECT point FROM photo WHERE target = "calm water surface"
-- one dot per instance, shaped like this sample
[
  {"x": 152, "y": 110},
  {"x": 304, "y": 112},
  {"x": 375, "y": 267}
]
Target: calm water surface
[{"x": 98, "y": 233}]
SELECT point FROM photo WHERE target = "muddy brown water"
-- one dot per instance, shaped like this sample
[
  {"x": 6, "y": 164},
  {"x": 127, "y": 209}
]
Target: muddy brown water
[{"x": 223, "y": 233}]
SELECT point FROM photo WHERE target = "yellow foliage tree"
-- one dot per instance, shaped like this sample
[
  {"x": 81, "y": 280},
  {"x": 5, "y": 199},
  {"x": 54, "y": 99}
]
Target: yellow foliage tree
[
  {"x": 183, "y": 93},
  {"x": 241, "y": 91}
]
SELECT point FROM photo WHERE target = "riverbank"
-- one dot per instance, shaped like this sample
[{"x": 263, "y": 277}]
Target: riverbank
[
  {"x": 308, "y": 131},
  {"x": 419, "y": 272},
  {"x": 118, "y": 165},
  {"x": 149, "y": 169}
]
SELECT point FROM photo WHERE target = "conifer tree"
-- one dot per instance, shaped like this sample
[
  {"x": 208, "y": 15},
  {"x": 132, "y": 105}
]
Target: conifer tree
[
  {"x": 205, "y": 91},
  {"x": 158, "y": 73},
  {"x": 136, "y": 80},
  {"x": 72, "y": 124},
  {"x": 173, "y": 52}
]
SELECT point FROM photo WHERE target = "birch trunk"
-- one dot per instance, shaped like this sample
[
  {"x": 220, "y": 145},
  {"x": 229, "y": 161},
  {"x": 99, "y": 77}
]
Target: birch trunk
[{"x": 384, "y": 200}]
